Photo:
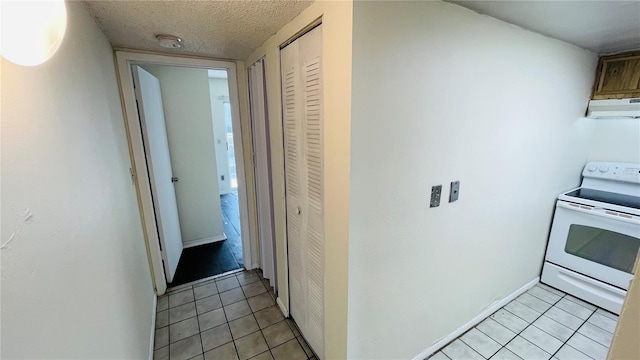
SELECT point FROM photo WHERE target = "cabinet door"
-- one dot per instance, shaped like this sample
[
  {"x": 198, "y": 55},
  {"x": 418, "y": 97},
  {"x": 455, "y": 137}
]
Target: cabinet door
[{"x": 619, "y": 77}]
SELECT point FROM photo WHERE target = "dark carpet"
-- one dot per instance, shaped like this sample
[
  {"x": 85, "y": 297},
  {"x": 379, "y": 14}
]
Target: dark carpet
[{"x": 203, "y": 261}]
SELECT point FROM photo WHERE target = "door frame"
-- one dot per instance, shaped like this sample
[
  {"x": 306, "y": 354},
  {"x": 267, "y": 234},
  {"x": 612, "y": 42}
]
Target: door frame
[{"x": 140, "y": 172}]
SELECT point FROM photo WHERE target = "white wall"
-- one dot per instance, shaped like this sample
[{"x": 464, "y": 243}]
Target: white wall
[
  {"x": 614, "y": 140},
  {"x": 187, "y": 111},
  {"x": 337, "y": 19},
  {"x": 75, "y": 275},
  {"x": 441, "y": 93},
  {"x": 218, "y": 88}
]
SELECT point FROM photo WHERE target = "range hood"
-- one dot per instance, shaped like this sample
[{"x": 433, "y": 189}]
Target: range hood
[{"x": 614, "y": 108}]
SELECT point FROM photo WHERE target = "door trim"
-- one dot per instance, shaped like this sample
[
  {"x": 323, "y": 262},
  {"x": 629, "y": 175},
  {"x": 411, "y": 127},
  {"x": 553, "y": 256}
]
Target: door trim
[{"x": 124, "y": 61}]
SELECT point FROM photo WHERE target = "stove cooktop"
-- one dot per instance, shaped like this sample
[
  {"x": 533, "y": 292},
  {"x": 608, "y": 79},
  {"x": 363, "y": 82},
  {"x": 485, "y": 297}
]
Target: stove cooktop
[{"x": 627, "y": 201}]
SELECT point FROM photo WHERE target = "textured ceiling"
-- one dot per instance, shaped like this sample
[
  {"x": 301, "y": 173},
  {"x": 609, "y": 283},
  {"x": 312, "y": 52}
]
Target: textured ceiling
[
  {"x": 222, "y": 29},
  {"x": 600, "y": 26}
]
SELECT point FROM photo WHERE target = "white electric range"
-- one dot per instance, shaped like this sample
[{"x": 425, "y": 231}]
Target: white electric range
[{"x": 595, "y": 235}]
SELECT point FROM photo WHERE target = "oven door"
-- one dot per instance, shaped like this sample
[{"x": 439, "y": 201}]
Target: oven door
[{"x": 598, "y": 243}]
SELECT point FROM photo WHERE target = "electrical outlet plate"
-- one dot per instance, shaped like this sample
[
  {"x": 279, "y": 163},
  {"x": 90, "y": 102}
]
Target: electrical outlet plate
[
  {"x": 436, "y": 192},
  {"x": 455, "y": 191}
]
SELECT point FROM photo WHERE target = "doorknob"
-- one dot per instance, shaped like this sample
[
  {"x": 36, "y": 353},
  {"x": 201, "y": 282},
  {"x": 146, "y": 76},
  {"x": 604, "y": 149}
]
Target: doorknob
[
  {"x": 174, "y": 179},
  {"x": 298, "y": 211}
]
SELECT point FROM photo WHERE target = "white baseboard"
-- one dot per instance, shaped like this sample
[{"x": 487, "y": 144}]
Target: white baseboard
[
  {"x": 284, "y": 310},
  {"x": 153, "y": 326},
  {"x": 475, "y": 321},
  {"x": 209, "y": 240}
]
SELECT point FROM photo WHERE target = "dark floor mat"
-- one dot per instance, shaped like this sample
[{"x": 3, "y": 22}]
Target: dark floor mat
[{"x": 203, "y": 261}]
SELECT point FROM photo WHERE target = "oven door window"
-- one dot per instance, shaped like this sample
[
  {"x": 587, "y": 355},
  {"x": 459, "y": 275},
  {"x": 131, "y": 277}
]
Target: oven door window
[{"x": 602, "y": 246}]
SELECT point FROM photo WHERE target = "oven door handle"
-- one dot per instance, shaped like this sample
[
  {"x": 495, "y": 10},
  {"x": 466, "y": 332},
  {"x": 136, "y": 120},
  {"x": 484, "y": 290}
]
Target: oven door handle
[{"x": 600, "y": 212}]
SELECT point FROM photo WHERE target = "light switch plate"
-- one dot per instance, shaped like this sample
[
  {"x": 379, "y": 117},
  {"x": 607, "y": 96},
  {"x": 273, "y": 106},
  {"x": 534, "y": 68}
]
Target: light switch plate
[
  {"x": 436, "y": 191},
  {"x": 455, "y": 191}
]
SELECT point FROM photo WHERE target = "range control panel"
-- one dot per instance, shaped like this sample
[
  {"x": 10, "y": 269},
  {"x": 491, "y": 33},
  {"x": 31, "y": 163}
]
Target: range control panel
[{"x": 626, "y": 172}]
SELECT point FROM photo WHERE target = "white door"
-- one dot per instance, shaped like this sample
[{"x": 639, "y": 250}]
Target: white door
[
  {"x": 156, "y": 147},
  {"x": 302, "y": 111},
  {"x": 260, "y": 131}
]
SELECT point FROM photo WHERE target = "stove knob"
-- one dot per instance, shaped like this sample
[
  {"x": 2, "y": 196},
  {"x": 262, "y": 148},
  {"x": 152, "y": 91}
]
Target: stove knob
[
  {"x": 603, "y": 169},
  {"x": 592, "y": 168}
]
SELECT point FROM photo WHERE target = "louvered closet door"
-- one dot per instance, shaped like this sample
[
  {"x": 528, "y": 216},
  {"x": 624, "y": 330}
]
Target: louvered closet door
[{"x": 302, "y": 111}]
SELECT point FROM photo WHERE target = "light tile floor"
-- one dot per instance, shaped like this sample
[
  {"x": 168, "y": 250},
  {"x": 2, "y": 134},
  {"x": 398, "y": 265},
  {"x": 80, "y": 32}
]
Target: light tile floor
[
  {"x": 232, "y": 317},
  {"x": 543, "y": 323}
]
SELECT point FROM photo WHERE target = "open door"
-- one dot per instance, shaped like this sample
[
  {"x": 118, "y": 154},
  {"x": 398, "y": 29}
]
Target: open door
[{"x": 156, "y": 146}]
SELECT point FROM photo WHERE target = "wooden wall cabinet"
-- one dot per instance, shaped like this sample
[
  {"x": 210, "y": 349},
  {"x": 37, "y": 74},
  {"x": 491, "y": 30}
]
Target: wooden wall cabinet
[{"x": 618, "y": 77}]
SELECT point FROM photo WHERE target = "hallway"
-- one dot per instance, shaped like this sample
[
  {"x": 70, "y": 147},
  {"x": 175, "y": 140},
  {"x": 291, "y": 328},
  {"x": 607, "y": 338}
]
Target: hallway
[{"x": 233, "y": 317}]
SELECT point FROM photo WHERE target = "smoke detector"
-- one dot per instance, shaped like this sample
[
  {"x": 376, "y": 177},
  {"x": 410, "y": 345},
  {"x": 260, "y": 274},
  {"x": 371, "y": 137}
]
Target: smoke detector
[{"x": 169, "y": 41}]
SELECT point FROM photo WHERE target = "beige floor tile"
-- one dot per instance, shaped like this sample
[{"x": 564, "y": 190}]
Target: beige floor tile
[
  {"x": 162, "y": 319},
  {"x": 268, "y": 316},
  {"x": 260, "y": 302},
  {"x": 224, "y": 352},
  {"x": 251, "y": 345},
  {"x": 186, "y": 348},
  {"x": 202, "y": 291},
  {"x": 277, "y": 334},
  {"x": 264, "y": 356},
  {"x": 237, "y": 310},
  {"x": 183, "y": 329},
  {"x": 211, "y": 319},
  {"x": 181, "y": 297},
  {"x": 215, "y": 337},
  {"x": 161, "y": 337},
  {"x": 254, "y": 289},
  {"x": 247, "y": 277},
  {"x": 227, "y": 284},
  {"x": 163, "y": 303},
  {"x": 291, "y": 350},
  {"x": 209, "y": 303},
  {"x": 243, "y": 326},
  {"x": 161, "y": 354},
  {"x": 182, "y": 312},
  {"x": 231, "y": 296}
]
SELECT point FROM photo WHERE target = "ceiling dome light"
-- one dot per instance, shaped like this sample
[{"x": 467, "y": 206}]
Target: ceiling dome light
[
  {"x": 31, "y": 31},
  {"x": 169, "y": 41}
]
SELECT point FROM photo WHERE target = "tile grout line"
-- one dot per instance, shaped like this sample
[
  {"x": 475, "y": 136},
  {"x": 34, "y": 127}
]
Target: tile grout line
[
  {"x": 581, "y": 325},
  {"x": 489, "y": 336},
  {"x": 472, "y": 348},
  {"x": 530, "y": 323},
  {"x": 572, "y": 335},
  {"x": 578, "y": 329},
  {"x": 198, "y": 323}
]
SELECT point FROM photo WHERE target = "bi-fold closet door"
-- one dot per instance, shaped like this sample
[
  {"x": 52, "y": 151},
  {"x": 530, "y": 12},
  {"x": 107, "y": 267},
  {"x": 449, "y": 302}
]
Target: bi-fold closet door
[{"x": 301, "y": 70}]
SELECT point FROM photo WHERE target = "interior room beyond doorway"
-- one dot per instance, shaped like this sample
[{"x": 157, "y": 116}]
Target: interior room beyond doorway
[{"x": 199, "y": 136}]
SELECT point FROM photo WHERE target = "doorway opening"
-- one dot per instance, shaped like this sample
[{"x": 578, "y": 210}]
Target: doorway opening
[
  {"x": 222, "y": 253},
  {"x": 184, "y": 130}
]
